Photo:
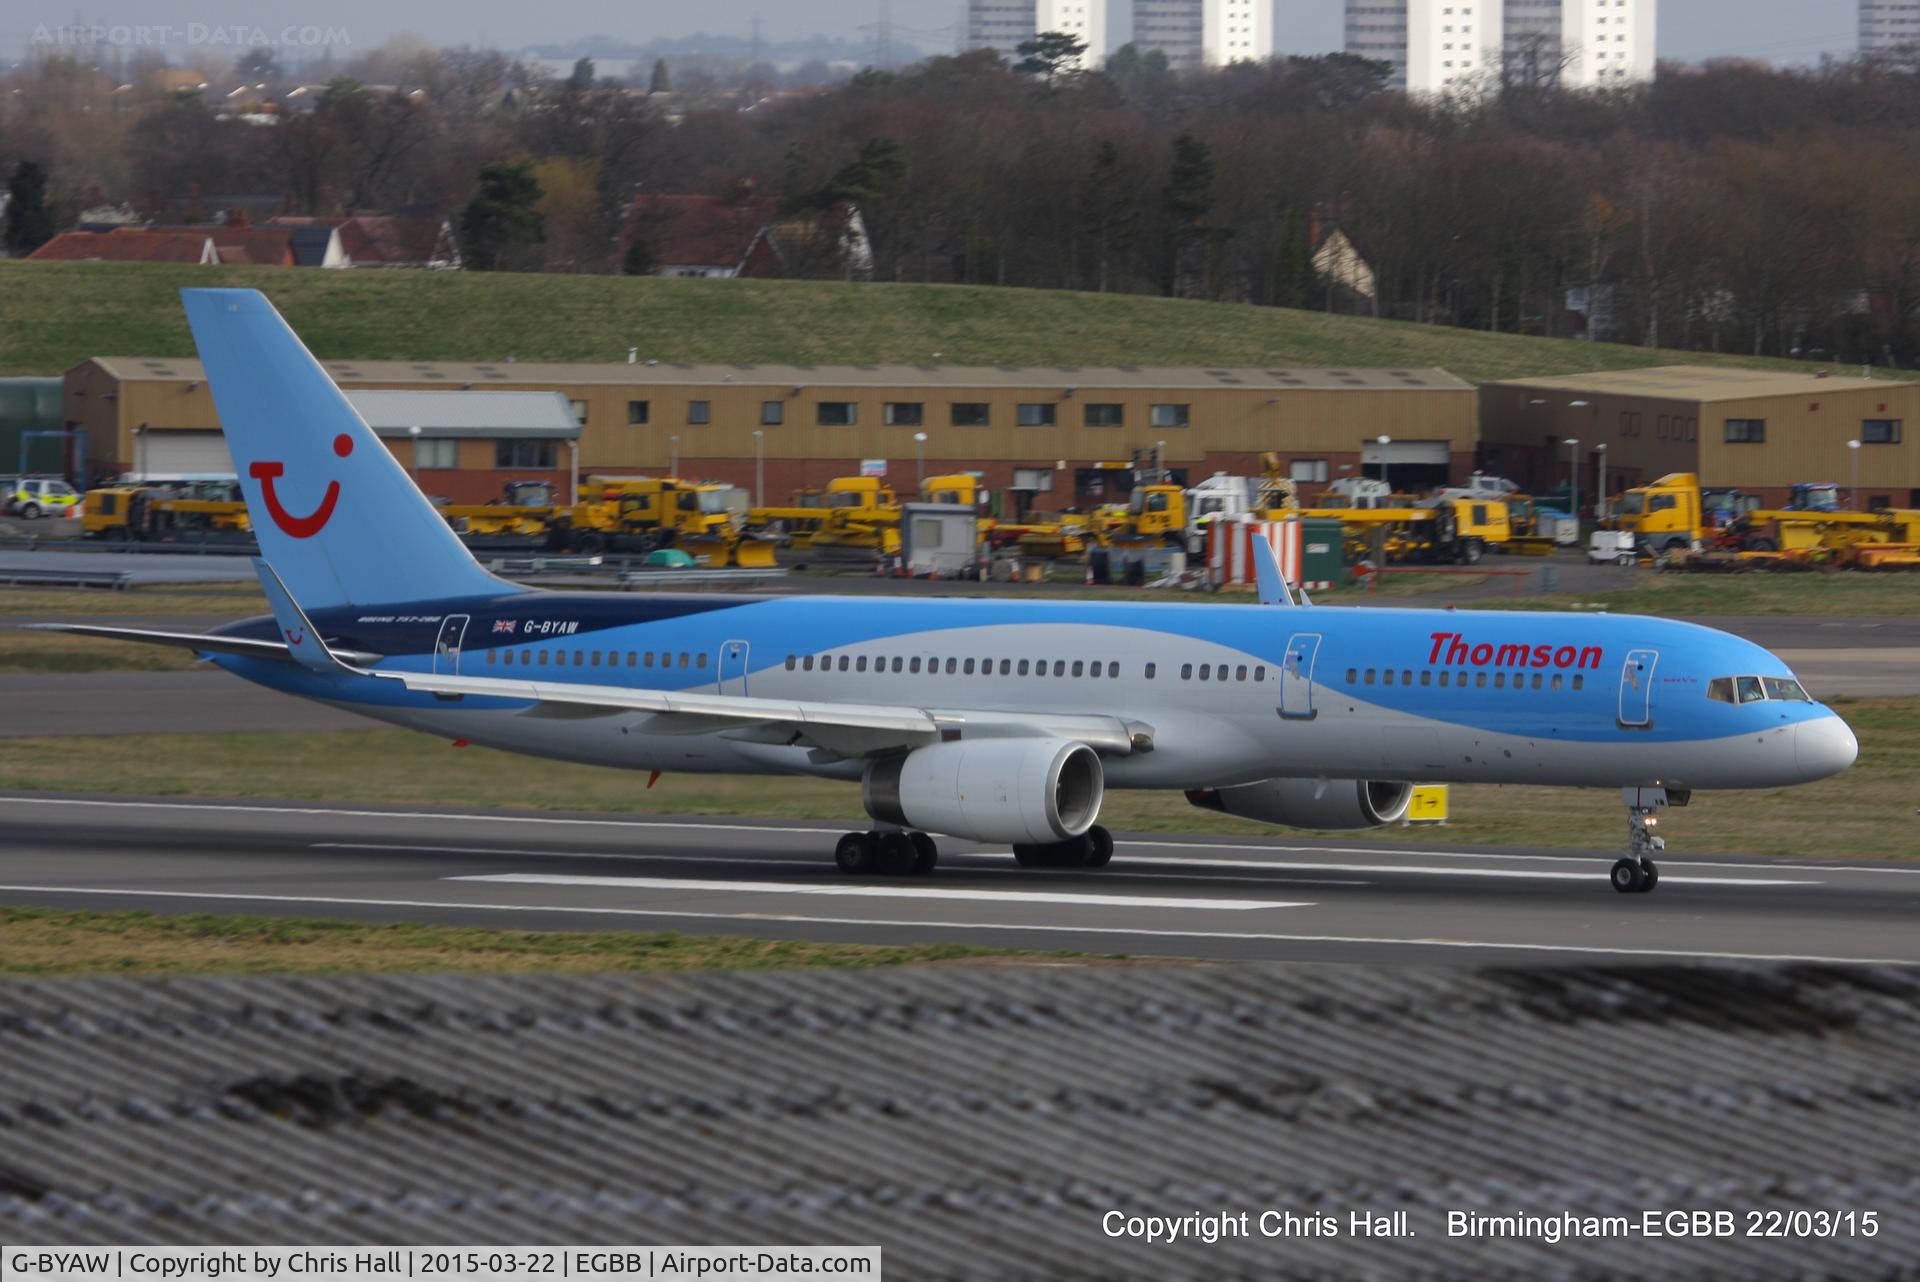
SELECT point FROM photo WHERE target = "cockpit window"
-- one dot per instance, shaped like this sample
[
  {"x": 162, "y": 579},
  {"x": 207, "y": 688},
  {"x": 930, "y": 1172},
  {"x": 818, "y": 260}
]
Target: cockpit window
[
  {"x": 1755, "y": 689},
  {"x": 1782, "y": 688}
]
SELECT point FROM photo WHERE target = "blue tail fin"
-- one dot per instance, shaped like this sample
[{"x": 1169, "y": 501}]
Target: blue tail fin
[{"x": 337, "y": 517}]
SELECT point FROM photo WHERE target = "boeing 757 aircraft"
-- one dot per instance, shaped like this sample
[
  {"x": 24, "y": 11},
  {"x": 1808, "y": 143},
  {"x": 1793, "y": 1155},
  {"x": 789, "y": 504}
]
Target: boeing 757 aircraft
[{"x": 989, "y": 720}]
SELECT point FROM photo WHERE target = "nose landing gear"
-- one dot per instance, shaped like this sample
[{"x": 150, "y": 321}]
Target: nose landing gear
[{"x": 1635, "y": 873}]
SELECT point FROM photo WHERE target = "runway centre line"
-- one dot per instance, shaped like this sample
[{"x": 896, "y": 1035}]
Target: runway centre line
[
  {"x": 901, "y": 890},
  {"x": 1110, "y": 931},
  {"x": 824, "y": 830},
  {"x": 1104, "y": 875}
]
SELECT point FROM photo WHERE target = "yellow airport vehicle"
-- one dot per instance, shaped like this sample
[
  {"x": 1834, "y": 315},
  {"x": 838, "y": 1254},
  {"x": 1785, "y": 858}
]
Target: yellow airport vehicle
[
  {"x": 1460, "y": 531},
  {"x": 30, "y": 497},
  {"x": 156, "y": 513},
  {"x": 862, "y": 513},
  {"x": 523, "y": 511},
  {"x": 644, "y": 513}
]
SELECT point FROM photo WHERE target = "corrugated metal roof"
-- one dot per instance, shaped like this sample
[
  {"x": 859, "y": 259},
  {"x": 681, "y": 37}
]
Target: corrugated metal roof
[
  {"x": 1086, "y": 378},
  {"x": 1703, "y": 383},
  {"x": 467, "y": 414},
  {"x": 978, "y": 1121}
]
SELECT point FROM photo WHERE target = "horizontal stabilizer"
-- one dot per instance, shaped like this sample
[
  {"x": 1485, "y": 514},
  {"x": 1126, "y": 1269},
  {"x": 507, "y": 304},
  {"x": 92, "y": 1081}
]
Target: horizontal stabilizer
[{"x": 203, "y": 642}]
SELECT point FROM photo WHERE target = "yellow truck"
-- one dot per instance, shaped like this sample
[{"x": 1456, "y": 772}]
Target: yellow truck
[
  {"x": 862, "y": 513},
  {"x": 522, "y": 513},
  {"x": 646, "y": 513},
  {"x": 1459, "y": 531},
  {"x": 197, "y": 510}
]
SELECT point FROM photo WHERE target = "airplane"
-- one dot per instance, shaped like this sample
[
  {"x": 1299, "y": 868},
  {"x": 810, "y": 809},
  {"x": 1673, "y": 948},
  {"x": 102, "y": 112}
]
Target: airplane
[{"x": 987, "y": 720}]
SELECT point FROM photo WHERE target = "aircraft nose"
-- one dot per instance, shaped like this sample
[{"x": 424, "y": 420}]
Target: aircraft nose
[{"x": 1824, "y": 747}]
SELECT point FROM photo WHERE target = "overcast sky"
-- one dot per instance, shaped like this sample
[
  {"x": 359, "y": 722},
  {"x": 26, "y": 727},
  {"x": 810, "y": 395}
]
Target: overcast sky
[{"x": 1779, "y": 30}]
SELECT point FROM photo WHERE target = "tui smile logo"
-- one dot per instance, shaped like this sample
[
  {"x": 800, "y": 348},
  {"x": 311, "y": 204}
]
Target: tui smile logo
[{"x": 299, "y": 527}]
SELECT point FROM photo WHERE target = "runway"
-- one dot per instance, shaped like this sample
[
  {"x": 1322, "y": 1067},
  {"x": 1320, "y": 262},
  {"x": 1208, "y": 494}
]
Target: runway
[{"x": 1164, "y": 894}]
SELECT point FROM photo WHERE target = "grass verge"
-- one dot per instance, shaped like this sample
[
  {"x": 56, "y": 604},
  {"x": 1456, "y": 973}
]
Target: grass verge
[
  {"x": 51, "y": 652},
  {"x": 46, "y": 941},
  {"x": 1866, "y": 812},
  {"x": 1829, "y": 593}
]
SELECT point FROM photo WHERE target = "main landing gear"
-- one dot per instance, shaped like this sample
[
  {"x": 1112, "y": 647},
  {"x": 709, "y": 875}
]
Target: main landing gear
[
  {"x": 1091, "y": 849},
  {"x": 1635, "y": 873},
  {"x": 895, "y": 852}
]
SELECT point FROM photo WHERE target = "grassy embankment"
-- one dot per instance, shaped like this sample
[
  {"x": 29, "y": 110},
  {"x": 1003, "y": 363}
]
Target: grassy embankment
[
  {"x": 51, "y": 941},
  {"x": 1868, "y": 811},
  {"x": 62, "y": 313}
]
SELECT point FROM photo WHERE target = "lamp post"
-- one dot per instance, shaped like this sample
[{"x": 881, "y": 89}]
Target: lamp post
[
  {"x": 1573, "y": 492},
  {"x": 1383, "y": 441},
  {"x": 920, "y": 459},
  {"x": 413, "y": 453},
  {"x": 1600, "y": 484},
  {"x": 758, "y": 460},
  {"x": 1853, "y": 454},
  {"x": 673, "y": 456}
]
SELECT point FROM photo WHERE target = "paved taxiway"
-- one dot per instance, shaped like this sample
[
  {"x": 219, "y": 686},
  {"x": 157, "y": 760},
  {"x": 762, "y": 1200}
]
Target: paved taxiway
[{"x": 1164, "y": 894}]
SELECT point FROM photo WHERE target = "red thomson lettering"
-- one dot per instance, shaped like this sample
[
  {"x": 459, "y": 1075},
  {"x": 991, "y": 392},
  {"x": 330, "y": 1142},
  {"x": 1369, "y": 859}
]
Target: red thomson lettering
[{"x": 1452, "y": 648}]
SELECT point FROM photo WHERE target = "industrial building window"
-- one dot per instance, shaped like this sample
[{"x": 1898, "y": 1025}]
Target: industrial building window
[
  {"x": 699, "y": 413},
  {"x": 902, "y": 413},
  {"x": 772, "y": 413},
  {"x": 1169, "y": 416},
  {"x": 441, "y": 453},
  {"x": 1746, "y": 431},
  {"x": 1105, "y": 414},
  {"x": 523, "y": 454},
  {"x": 836, "y": 413},
  {"x": 1880, "y": 431},
  {"x": 638, "y": 412},
  {"x": 1311, "y": 470},
  {"x": 971, "y": 414},
  {"x": 579, "y": 409},
  {"x": 1036, "y": 414}
]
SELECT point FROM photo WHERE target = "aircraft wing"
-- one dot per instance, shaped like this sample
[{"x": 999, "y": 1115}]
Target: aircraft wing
[
  {"x": 849, "y": 729},
  {"x": 205, "y": 643}
]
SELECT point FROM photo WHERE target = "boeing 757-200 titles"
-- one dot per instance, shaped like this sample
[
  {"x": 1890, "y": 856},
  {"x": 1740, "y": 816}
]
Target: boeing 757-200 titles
[{"x": 989, "y": 720}]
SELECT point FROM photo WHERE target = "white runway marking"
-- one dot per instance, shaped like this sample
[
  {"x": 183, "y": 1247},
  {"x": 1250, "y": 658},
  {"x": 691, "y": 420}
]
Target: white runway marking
[
  {"x": 904, "y": 890},
  {"x": 1116, "y": 932},
  {"x": 819, "y": 830}
]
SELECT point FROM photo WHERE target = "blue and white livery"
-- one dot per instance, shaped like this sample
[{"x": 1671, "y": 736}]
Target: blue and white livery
[{"x": 991, "y": 720}]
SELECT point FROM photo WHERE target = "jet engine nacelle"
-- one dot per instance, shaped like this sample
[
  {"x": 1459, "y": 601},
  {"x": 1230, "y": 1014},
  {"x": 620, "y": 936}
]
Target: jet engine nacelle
[
  {"x": 1032, "y": 791},
  {"x": 1311, "y": 803}
]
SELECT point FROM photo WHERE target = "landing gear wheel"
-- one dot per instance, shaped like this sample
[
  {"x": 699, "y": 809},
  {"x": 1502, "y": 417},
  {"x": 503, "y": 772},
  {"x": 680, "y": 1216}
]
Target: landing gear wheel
[
  {"x": 1099, "y": 847},
  {"x": 897, "y": 855},
  {"x": 1649, "y": 876},
  {"x": 925, "y": 854},
  {"x": 855, "y": 853},
  {"x": 1627, "y": 877},
  {"x": 1027, "y": 856}
]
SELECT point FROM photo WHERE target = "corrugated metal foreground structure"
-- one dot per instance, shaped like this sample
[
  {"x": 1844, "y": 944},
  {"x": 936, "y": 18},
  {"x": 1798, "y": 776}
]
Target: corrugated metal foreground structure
[{"x": 976, "y": 1121}]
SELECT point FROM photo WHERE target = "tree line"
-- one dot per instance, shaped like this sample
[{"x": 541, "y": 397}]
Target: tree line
[{"x": 1725, "y": 207}]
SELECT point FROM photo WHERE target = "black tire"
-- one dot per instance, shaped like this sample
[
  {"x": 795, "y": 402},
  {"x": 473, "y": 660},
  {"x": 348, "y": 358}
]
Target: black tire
[
  {"x": 925, "y": 854},
  {"x": 855, "y": 853},
  {"x": 897, "y": 856},
  {"x": 1650, "y": 876},
  {"x": 1099, "y": 847},
  {"x": 29, "y": 511},
  {"x": 1471, "y": 551},
  {"x": 1760, "y": 543},
  {"x": 1674, "y": 545},
  {"x": 1026, "y": 856},
  {"x": 590, "y": 545},
  {"x": 1626, "y": 876}
]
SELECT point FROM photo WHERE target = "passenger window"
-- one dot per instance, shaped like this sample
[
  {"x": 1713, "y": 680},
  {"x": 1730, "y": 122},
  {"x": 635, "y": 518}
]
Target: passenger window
[
  {"x": 1406, "y": 677},
  {"x": 1006, "y": 666},
  {"x": 966, "y": 668},
  {"x": 860, "y": 663},
  {"x": 1186, "y": 672},
  {"x": 1558, "y": 681},
  {"x": 913, "y": 664},
  {"x": 579, "y": 658},
  {"x": 1426, "y": 677},
  {"x": 1479, "y": 680},
  {"x": 543, "y": 658},
  {"x": 846, "y": 661},
  {"x": 1206, "y": 672},
  {"x": 559, "y": 658},
  {"x": 1386, "y": 677},
  {"x": 633, "y": 660},
  {"x": 666, "y": 658},
  {"x": 506, "y": 657},
  {"x": 700, "y": 660},
  {"x": 1579, "y": 682},
  {"x": 1353, "y": 675},
  {"x": 1221, "y": 675},
  {"x": 1079, "y": 668},
  {"x": 1240, "y": 673},
  {"x": 807, "y": 663},
  {"x": 1536, "y": 680},
  {"x": 490, "y": 659},
  {"x": 953, "y": 666},
  {"x": 1444, "y": 674},
  {"x": 596, "y": 658},
  {"x": 1059, "y": 667},
  {"x": 1023, "y": 667},
  {"x": 1499, "y": 680},
  {"x": 1113, "y": 668},
  {"x": 1149, "y": 671},
  {"x": 1369, "y": 676},
  {"x": 896, "y": 663},
  {"x": 792, "y": 661}
]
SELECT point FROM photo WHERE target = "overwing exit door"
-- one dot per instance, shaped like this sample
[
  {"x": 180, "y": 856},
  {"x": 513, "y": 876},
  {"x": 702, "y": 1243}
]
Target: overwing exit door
[
  {"x": 1296, "y": 676},
  {"x": 1636, "y": 687},
  {"x": 733, "y": 667},
  {"x": 446, "y": 648}
]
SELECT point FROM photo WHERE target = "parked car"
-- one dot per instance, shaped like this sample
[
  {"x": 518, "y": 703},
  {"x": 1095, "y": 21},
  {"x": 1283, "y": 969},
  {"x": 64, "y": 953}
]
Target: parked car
[{"x": 30, "y": 497}]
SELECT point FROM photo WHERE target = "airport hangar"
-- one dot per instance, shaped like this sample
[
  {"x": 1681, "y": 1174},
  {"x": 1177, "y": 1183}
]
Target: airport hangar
[
  {"x": 1759, "y": 430},
  {"x": 1041, "y": 433}
]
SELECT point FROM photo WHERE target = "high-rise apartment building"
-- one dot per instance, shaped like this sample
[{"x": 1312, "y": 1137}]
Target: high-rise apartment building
[
  {"x": 1886, "y": 25},
  {"x": 1002, "y": 25},
  {"x": 1211, "y": 33},
  {"x": 1436, "y": 46}
]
